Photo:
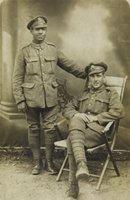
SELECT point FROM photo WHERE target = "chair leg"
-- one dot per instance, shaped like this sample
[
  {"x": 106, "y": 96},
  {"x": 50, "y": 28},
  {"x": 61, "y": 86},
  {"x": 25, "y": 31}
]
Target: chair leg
[
  {"x": 112, "y": 158},
  {"x": 102, "y": 173},
  {"x": 62, "y": 168}
]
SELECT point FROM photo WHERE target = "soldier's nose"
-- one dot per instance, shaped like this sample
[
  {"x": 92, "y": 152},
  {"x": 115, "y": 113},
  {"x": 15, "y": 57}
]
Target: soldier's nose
[
  {"x": 95, "y": 78},
  {"x": 40, "y": 31}
]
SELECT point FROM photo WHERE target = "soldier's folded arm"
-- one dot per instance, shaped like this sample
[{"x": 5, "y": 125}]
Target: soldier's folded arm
[
  {"x": 70, "y": 66},
  {"x": 115, "y": 110},
  {"x": 18, "y": 77}
]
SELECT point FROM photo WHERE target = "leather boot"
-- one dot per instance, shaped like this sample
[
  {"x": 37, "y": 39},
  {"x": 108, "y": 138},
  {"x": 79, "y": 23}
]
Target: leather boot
[
  {"x": 49, "y": 158},
  {"x": 73, "y": 191},
  {"x": 51, "y": 168},
  {"x": 37, "y": 167},
  {"x": 82, "y": 170}
]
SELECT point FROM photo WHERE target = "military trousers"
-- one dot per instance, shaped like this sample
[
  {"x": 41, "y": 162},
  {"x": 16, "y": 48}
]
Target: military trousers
[
  {"x": 80, "y": 136},
  {"x": 38, "y": 120},
  {"x": 91, "y": 137}
]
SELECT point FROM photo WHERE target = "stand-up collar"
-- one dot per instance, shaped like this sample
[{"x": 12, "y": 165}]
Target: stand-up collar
[{"x": 38, "y": 46}]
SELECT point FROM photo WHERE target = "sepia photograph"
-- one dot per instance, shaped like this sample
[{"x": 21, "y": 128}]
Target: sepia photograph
[{"x": 64, "y": 99}]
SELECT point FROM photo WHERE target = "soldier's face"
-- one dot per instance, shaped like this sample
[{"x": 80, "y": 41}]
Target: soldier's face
[
  {"x": 96, "y": 80},
  {"x": 39, "y": 33}
]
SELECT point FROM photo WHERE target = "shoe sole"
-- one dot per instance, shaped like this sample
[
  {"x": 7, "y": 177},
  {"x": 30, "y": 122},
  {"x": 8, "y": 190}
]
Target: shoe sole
[
  {"x": 71, "y": 198},
  {"x": 82, "y": 177},
  {"x": 52, "y": 173},
  {"x": 36, "y": 173},
  {"x": 33, "y": 173}
]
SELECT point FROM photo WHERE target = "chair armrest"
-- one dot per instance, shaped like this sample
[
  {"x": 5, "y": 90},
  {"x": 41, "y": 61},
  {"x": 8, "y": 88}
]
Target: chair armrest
[{"x": 107, "y": 127}]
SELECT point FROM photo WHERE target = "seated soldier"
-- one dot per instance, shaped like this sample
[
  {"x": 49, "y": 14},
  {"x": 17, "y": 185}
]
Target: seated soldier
[{"x": 88, "y": 114}]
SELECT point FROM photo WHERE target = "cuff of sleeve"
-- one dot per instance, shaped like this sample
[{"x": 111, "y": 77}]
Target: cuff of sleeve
[
  {"x": 99, "y": 119},
  {"x": 20, "y": 101}
]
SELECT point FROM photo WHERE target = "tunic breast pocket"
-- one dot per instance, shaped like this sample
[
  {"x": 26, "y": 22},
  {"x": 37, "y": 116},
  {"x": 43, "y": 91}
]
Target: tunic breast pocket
[
  {"x": 84, "y": 104},
  {"x": 101, "y": 105},
  {"x": 32, "y": 66},
  {"x": 50, "y": 63}
]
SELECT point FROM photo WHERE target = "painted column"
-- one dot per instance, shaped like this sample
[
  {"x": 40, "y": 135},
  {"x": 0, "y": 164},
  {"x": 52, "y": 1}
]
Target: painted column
[{"x": 9, "y": 39}]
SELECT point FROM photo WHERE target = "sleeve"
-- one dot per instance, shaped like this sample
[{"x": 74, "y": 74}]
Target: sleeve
[
  {"x": 71, "y": 108},
  {"x": 115, "y": 110},
  {"x": 18, "y": 77},
  {"x": 70, "y": 66}
]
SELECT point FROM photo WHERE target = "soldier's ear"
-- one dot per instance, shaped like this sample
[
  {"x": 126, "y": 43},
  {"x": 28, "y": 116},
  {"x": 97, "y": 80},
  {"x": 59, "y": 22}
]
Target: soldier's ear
[
  {"x": 31, "y": 29},
  {"x": 104, "y": 80}
]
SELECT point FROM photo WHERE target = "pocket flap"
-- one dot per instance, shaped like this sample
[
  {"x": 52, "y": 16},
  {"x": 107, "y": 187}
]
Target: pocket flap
[
  {"x": 50, "y": 58},
  {"x": 28, "y": 85},
  {"x": 103, "y": 100},
  {"x": 32, "y": 59}
]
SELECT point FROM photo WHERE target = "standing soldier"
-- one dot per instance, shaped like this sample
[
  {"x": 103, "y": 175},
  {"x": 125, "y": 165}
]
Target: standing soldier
[
  {"x": 35, "y": 89},
  {"x": 88, "y": 114}
]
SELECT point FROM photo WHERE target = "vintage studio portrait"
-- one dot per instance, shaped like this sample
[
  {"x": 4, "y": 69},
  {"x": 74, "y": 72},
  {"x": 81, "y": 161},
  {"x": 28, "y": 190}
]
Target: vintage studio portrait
[{"x": 64, "y": 99}]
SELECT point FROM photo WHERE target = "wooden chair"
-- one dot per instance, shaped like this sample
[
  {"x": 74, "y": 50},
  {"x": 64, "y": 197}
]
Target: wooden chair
[{"x": 117, "y": 83}]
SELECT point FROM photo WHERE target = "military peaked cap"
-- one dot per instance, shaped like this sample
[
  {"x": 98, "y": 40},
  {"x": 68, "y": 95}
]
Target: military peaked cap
[
  {"x": 93, "y": 68},
  {"x": 39, "y": 21}
]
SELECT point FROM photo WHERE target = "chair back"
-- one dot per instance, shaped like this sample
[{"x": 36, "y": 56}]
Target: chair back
[{"x": 117, "y": 83}]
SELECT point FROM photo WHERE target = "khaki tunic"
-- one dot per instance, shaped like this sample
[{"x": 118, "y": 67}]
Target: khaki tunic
[
  {"x": 34, "y": 78},
  {"x": 103, "y": 103}
]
